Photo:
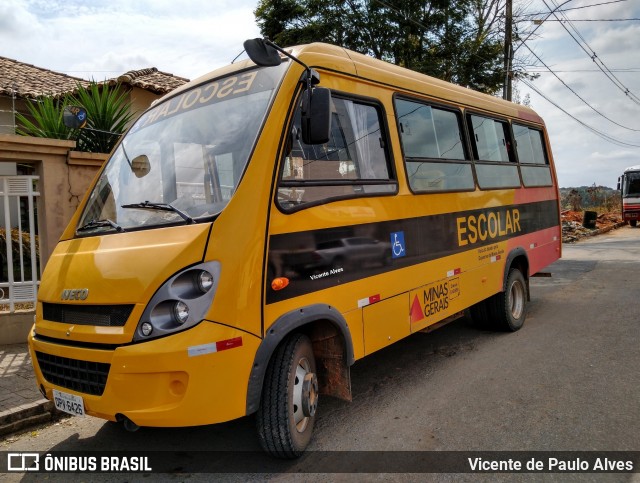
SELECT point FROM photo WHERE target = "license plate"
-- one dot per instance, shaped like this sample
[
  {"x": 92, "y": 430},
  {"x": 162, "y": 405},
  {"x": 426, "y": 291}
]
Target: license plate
[{"x": 68, "y": 403}]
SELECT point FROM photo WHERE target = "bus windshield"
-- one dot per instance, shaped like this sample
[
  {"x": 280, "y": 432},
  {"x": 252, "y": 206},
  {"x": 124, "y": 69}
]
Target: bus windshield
[
  {"x": 182, "y": 160},
  {"x": 631, "y": 186}
]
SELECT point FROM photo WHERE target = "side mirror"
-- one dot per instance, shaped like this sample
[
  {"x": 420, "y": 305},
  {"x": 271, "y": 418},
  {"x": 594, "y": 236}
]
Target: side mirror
[
  {"x": 141, "y": 166},
  {"x": 316, "y": 115},
  {"x": 74, "y": 117},
  {"x": 619, "y": 183},
  {"x": 261, "y": 53}
]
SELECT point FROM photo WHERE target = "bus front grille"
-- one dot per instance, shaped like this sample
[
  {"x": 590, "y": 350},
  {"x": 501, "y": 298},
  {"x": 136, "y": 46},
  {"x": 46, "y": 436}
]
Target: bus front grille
[
  {"x": 100, "y": 315},
  {"x": 81, "y": 376}
]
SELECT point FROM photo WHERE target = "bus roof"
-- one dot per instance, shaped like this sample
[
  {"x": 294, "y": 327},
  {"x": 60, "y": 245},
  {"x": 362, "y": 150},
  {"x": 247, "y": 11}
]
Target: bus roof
[
  {"x": 319, "y": 55},
  {"x": 338, "y": 59},
  {"x": 632, "y": 168}
]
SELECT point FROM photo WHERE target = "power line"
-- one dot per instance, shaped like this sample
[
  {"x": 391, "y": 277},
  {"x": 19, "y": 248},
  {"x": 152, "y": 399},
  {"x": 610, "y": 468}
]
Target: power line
[
  {"x": 600, "y": 63},
  {"x": 552, "y": 12},
  {"x": 572, "y": 8},
  {"x": 578, "y": 95},
  {"x": 628, "y": 70},
  {"x": 595, "y": 20},
  {"x": 604, "y": 136},
  {"x": 593, "y": 56}
]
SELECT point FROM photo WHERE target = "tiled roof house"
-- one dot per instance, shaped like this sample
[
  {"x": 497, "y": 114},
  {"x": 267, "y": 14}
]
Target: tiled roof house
[
  {"x": 20, "y": 82},
  {"x": 151, "y": 80}
]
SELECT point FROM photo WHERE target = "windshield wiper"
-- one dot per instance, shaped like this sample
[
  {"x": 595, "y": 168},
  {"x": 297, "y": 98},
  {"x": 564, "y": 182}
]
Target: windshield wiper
[
  {"x": 100, "y": 223},
  {"x": 146, "y": 205}
]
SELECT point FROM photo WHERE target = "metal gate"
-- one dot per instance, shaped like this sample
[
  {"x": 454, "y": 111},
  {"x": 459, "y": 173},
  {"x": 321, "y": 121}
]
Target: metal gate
[{"x": 20, "y": 267}]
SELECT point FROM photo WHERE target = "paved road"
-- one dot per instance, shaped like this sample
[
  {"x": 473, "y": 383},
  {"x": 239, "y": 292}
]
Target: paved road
[{"x": 569, "y": 380}]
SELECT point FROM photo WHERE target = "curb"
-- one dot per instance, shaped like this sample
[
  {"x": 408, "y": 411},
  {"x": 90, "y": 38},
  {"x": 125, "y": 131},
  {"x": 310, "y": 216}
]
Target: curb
[
  {"x": 592, "y": 233},
  {"x": 26, "y": 415},
  {"x": 612, "y": 227},
  {"x": 608, "y": 228}
]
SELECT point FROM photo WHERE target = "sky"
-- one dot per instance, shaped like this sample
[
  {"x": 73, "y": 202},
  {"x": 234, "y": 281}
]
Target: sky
[{"x": 97, "y": 39}]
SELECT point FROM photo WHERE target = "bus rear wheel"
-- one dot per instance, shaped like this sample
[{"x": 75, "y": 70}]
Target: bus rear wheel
[
  {"x": 505, "y": 310},
  {"x": 289, "y": 401},
  {"x": 511, "y": 304}
]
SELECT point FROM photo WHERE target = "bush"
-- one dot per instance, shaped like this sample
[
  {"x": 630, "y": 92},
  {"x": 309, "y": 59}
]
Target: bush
[{"x": 108, "y": 112}]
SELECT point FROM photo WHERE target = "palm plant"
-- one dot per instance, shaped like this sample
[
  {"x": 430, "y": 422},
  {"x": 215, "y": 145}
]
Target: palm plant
[
  {"x": 108, "y": 111},
  {"x": 108, "y": 115},
  {"x": 44, "y": 120}
]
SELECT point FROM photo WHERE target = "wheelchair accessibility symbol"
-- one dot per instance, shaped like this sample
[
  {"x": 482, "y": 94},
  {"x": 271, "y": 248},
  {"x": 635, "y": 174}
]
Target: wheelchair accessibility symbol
[{"x": 397, "y": 244}]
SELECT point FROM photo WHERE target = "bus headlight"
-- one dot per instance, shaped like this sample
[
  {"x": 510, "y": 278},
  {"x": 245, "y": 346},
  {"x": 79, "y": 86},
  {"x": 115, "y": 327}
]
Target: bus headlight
[
  {"x": 205, "y": 281},
  {"x": 181, "y": 312},
  {"x": 146, "y": 328},
  {"x": 180, "y": 303}
]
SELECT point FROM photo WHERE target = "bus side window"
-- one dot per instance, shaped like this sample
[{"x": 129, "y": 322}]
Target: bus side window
[
  {"x": 433, "y": 149},
  {"x": 534, "y": 164},
  {"x": 353, "y": 163},
  {"x": 492, "y": 149}
]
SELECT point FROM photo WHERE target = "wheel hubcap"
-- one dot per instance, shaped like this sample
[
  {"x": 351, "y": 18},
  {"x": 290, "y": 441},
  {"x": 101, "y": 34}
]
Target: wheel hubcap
[
  {"x": 517, "y": 299},
  {"x": 305, "y": 394},
  {"x": 310, "y": 395}
]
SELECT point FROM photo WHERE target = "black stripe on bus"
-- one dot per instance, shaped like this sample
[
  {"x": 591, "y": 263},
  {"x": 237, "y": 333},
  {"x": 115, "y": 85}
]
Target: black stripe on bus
[{"x": 319, "y": 259}]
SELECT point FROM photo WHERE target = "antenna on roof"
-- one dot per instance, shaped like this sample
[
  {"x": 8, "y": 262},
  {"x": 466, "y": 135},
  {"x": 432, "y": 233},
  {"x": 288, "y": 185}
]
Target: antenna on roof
[{"x": 236, "y": 57}]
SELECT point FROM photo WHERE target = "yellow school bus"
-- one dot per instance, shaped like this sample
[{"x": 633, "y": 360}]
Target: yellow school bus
[{"x": 263, "y": 227}]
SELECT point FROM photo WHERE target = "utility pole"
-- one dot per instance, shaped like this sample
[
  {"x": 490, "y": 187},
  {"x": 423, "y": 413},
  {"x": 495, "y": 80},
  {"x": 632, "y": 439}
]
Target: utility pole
[{"x": 508, "y": 50}]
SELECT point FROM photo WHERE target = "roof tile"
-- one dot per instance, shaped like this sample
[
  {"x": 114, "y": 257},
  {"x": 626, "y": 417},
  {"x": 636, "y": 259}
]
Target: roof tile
[
  {"x": 26, "y": 80},
  {"x": 150, "y": 79}
]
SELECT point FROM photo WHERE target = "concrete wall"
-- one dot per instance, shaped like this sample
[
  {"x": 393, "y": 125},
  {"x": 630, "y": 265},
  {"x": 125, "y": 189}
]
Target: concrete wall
[
  {"x": 14, "y": 328},
  {"x": 65, "y": 175},
  {"x": 140, "y": 100}
]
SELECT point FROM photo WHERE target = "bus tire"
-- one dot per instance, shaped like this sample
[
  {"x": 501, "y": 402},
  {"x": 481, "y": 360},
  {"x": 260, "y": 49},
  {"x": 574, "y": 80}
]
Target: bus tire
[
  {"x": 509, "y": 308},
  {"x": 289, "y": 400},
  {"x": 633, "y": 222}
]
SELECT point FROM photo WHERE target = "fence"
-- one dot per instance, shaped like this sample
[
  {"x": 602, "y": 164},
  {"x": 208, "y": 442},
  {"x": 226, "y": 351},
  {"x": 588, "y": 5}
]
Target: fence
[{"x": 20, "y": 267}]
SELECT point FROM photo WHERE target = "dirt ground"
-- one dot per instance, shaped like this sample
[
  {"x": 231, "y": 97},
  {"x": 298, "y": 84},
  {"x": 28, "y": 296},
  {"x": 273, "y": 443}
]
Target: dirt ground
[{"x": 573, "y": 229}]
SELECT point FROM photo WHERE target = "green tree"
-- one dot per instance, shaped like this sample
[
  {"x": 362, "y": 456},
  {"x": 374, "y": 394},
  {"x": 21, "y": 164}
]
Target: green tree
[
  {"x": 455, "y": 41},
  {"x": 108, "y": 112}
]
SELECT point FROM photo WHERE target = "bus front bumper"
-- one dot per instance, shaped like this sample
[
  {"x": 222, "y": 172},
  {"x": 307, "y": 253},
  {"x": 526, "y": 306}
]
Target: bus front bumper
[{"x": 168, "y": 382}]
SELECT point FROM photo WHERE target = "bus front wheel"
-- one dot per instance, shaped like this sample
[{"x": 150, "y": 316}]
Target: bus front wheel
[
  {"x": 633, "y": 222},
  {"x": 289, "y": 401}
]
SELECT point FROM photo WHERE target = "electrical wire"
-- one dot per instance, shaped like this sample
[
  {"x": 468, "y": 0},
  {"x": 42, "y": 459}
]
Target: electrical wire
[
  {"x": 598, "y": 133},
  {"x": 592, "y": 55},
  {"x": 596, "y": 20},
  {"x": 552, "y": 12},
  {"x": 628, "y": 70},
  {"x": 578, "y": 95},
  {"x": 572, "y": 8}
]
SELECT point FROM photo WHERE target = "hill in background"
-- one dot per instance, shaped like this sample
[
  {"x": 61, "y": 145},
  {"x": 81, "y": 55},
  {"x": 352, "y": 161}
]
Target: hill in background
[{"x": 597, "y": 198}]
